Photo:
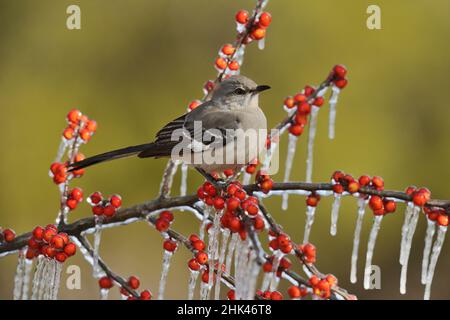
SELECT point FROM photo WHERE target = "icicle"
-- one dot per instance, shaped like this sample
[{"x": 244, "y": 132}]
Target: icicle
[
  {"x": 310, "y": 212},
  {"x": 262, "y": 44},
  {"x": 408, "y": 214},
  {"x": 231, "y": 248},
  {"x": 335, "y": 214},
  {"x": 191, "y": 285},
  {"x": 333, "y": 102},
  {"x": 61, "y": 149},
  {"x": 54, "y": 287},
  {"x": 167, "y": 180},
  {"x": 45, "y": 279},
  {"x": 370, "y": 249},
  {"x": 213, "y": 247},
  {"x": 19, "y": 276},
  {"x": 38, "y": 274},
  {"x": 254, "y": 272},
  {"x": 96, "y": 270},
  {"x": 311, "y": 137},
  {"x": 407, "y": 248},
  {"x": 241, "y": 261},
  {"x": 104, "y": 294},
  {"x": 165, "y": 270},
  {"x": 223, "y": 249},
  {"x": 266, "y": 281},
  {"x": 184, "y": 174},
  {"x": 275, "y": 264},
  {"x": 433, "y": 260},
  {"x": 206, "y": 214},
  {"x": 288, "y": 166},
  {"x": 431, "y": 229},
  {"x": 26, "y": 279},
  {"x": 357, "y": 235}
]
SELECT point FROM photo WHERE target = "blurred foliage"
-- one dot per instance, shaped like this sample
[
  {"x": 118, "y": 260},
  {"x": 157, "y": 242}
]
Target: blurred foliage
[{"x": 136, "y": 64}]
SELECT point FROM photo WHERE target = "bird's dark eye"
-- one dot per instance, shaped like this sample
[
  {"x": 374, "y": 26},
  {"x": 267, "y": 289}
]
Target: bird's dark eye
[{"x": 239, "y": 91}]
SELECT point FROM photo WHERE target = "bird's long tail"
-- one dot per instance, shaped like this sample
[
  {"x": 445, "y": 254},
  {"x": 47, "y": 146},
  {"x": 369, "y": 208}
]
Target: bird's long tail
[{"x": 111, "y": 155}]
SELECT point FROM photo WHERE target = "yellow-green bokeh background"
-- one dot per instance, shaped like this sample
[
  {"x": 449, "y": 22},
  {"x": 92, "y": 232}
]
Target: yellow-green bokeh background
[{"x": 135, "y": 65}]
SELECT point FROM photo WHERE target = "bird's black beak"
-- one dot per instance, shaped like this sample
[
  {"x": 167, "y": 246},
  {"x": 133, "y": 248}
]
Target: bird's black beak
[{"x": 261, "y": 88}]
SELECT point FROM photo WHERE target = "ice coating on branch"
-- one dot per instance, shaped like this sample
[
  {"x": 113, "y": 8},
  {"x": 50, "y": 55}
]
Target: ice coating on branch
[
  {"x": 262, "y": 43},
  {"x": 19, "y": 276},
  {"x": 333, "y": 102},
  {"x": 223, "y": 249},
  {"x": 184, "y": 175},
  {"x": 96, "y": 270},
  {"x": 46, "y": 279},
  {"x": 191, "y": 286},
  {"x": 407, "y": 248},
  {"x": 408, "y": 214},
  {"x": 205, "y": 220},
  {"x": 38, "y": 277},
  {"x": 311, "y": 137},
  {"x": 246, "y": 178},
  {"x": 243, "y": 265},
  {"x": 167, "y": 180},
  {"x": 254, "y": 270},
  {"x": 292, "y": 145},
  {"x": 356, "y": 238},
  {"x": 310, "y": 212},
  {"x": 431, "y": 229},
  {"x": 433, "y": 259},
  {"x": 266, "y": 281},
  {"x": 335, "y": 214},
  {"x": 165, "y": 270},
  {"x": 370, "y": 249},
  {"x": 213, "y": 247},
  {"x": 61, "y": 150}
]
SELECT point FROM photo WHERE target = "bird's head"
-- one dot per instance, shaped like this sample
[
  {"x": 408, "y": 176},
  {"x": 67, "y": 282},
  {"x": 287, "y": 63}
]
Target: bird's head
[{"x": 238, "y": 91}]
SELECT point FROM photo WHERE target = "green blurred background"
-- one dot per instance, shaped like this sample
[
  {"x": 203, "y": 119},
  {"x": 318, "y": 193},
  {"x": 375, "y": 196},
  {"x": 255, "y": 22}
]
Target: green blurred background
[{"x": 136, "y": 64}]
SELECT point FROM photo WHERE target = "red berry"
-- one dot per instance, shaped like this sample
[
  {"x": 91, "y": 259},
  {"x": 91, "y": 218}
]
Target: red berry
[
  {"x": 60, "y": 257},
  {"x": 443, "y": 220},
  {"x": 198, "y": 245},
  {"x": 389, "y": 206},
  {"x": 258, "y": 223},
  {"x": 295, "y": 129},
  {"x": 228, "y": 49},
  {"x": 240, "y": 194},
  {"x": 318, "y": 102},
  {"x": 258, "y": 33},
  {"x": 194, "y": 104},
  {"x": 146, "y": 295},
  {"x": 170, "y": 245},
  {"x": 71, "y": 203},
  {"x": 91, "y": 125},
  {"x": 193, "y": 238},
  {"x": 33, "y": 244},
  {"x": 378, "y": 182},
  {"x": 233, "y": 65},
  {"x": 76, "y": 194},
  {"x": 116, "y": 201},
  {"x": 338, "y": 188},
  {"x": 85, "y": 134},
  {"x": 96, "y": 197},
  {"x": 252, "y": 210},
  {"x": 294, "y": 292},
  {"x": 340, "y": 83},
  {"x": 133, "y": 282},
  {"x": 68, "y": 133},
  {"x": 232, "y": 203},
  {"x": 276, "y": 296},
  {"x": 194, "y": 265},
  {"x": 219, "y": 203},
  {"x": 353, "y": 187},
  {"x": 375, "y": 203},
  {"x": 242, "y": 16},
  {"x": 74, "y": 116},
  {"x": 304, "y": 108},
  {"x": 70, "y": 249},
  {"x": 97, "y": 210},
  {"x": 265, "y": 19},
  {"x": 364, "y": 180},
  {"x": 231, "y": 295},
  {"x": 166, "y": 215},
  {"x": 221, "y": 63},
  {"x": 9, "y": 235},
  {"x": 201, "y": 257},
  {"x": 48, "y": 234},
  {"x": 109, "y": 210},
  {"x": 38, "y": 232},
  {"x": 289, "y": 102},
  {"x": 340, "y": 71},
  {"x": 312, "y": 200},
  {"x": 57, "y": 242},
  {"x": 162, "y": 225}
]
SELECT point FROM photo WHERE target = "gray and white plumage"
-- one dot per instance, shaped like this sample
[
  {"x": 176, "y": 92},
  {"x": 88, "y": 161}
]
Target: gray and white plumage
[{"x": 233, "y": 107}]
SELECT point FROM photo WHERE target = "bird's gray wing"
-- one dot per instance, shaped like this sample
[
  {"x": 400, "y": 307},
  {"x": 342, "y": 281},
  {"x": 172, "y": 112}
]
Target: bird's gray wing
[{"x": 207, "y": 126}]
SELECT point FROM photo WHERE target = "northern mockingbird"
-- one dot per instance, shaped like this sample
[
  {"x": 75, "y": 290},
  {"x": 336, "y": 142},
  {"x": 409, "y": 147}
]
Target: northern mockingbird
[{"x": 213, "y": 137}]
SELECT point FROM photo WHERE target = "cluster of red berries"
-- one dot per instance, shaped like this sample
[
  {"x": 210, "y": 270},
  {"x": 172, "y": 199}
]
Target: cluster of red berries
[
  {"x": 225, "y": 59},
  {"x": 280, "y": 242},
  {"x": 308, "y": 252},
  {"x": 7, "y": 235},
  {"x": 284, "y": 265},
  {"x": 420, "y": 196},
  {"x": 58, "y": 170},
  {"x": 338, "y": 76},
  {"x": 234, "y": 201},
  {"x": 134, "y": 283},
  {"x": 79, "y": 125},
  {"x": 50, "y": 243},
  {"x": 74, "y": 197},
  {"x": 270, "y": 295},
  {"x": 104, "y": 207},
  {"x": 259, "y": 26},
  {"x": 345, "y": 182},
  {"x": 303, "y": 104},
  {"x": 322, "y": 287},
  {"x": 164, "y": 221},
  {"x": 170, "y": 245},
  {"x": 201, "y": 257},
  {"x": 296, "y": 292},
  {"x": 438, "y": 215},
  {"x": 264, "y": 182}
]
